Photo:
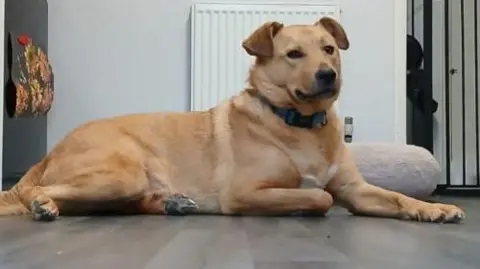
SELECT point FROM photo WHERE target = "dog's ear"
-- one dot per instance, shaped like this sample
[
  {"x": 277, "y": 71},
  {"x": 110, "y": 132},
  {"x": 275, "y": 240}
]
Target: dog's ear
[
  {"x": 260, "y": 42},
  {"x": 336, "y": 30}
]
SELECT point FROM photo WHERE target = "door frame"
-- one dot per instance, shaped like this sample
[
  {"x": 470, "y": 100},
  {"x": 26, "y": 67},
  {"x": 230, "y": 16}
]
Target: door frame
[{"x": 2, "y": 61}]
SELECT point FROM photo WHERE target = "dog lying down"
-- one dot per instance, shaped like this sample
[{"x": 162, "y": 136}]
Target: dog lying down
[{"x": 247, "y": 155}]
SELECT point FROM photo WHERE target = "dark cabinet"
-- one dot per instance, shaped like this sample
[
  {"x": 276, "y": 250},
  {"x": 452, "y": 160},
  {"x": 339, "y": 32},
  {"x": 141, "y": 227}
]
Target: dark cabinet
[{"x": 28, "y": 86}]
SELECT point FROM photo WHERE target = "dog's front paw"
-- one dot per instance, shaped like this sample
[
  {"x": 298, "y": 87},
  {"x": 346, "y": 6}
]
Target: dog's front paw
[
  {"x": 442, "y": 213},
  {"x": 179, "y": 204}
]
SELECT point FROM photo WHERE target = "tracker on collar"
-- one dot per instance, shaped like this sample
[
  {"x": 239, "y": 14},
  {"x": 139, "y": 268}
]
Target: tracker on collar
[{"x": 294, "y": 118}]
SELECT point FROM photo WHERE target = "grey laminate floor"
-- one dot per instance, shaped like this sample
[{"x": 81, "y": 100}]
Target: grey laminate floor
[{"x": 338, "y": 241}]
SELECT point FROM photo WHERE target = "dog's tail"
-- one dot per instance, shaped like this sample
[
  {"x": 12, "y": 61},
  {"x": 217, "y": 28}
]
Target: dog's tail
[{"x": 10, "y": 201}]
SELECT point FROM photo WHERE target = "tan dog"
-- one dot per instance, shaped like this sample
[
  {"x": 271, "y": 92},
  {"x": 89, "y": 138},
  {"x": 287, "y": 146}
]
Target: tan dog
[{"x": 245, "y": 156}]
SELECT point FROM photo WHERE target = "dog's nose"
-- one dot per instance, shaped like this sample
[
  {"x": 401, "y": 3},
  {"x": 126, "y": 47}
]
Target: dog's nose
[{"x": 326, "y": 76}]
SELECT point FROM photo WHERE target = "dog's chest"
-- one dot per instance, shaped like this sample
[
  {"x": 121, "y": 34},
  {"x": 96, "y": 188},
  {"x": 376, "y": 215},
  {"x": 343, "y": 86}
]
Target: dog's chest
[
  {"x": 315, "y": 168},
  {"x": 319, "y": 178}
]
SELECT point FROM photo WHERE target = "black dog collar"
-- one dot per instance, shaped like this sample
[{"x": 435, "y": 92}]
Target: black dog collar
[{"x": 294, "y": 118}]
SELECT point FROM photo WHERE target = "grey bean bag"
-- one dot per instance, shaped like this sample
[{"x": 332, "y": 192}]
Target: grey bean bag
[{"x": 407, "y": 169}]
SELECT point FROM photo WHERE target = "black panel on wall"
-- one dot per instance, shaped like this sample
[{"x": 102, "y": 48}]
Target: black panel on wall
[{"x": 24, "y": 139}]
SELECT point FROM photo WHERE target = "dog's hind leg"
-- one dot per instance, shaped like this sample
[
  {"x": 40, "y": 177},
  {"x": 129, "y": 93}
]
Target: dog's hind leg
[
  {"x": 107, "y": 193},
  {"x": 87, "y": 188},
  {"x": 41, "y": 206},
  {"x": 95, "y": 192},
  {"x": 109, "y": 184},
  {"x": 10, "y": 204}
]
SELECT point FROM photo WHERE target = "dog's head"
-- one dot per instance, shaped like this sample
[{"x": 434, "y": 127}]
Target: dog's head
[{"x": 298, "y": 65}]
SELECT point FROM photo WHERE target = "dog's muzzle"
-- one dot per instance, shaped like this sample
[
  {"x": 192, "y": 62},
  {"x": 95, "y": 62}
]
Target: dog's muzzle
[{"x": 324, "y": 86}]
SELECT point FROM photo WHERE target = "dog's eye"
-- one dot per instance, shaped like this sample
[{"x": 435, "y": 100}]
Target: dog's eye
[
  {"x": 329, "y": 49},
  {"x": 295, "y": 54}
]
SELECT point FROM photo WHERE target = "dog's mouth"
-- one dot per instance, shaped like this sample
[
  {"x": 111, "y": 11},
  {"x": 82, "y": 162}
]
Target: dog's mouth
[{"x": 324, "y": 93}]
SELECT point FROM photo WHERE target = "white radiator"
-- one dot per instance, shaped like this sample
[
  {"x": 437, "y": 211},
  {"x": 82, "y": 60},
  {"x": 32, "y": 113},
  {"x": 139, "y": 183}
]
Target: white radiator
[{"x": 218, "y": 61}]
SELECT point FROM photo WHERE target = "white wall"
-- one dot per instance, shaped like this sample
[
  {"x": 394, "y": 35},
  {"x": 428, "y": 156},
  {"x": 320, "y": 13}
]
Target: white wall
[{"x": 113, "y": 57}]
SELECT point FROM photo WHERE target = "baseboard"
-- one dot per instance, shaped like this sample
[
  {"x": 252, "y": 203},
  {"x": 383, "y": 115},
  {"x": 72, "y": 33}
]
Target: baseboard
[{"x": 463, "y": 191}]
